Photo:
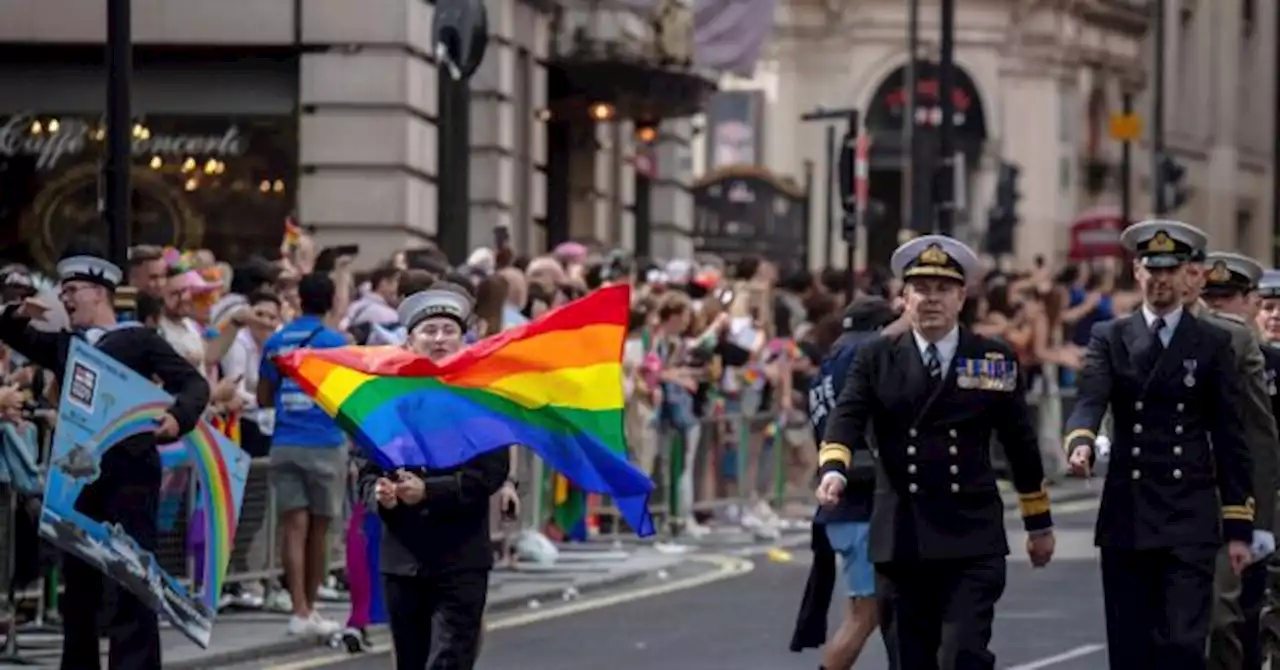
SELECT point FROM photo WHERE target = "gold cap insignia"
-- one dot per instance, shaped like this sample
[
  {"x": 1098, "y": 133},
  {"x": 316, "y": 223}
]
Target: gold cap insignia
[
  {"x": 1220, "y": 274},
  {"x": 934, "y": 255},
  {"x": 1161, "y": 243}
]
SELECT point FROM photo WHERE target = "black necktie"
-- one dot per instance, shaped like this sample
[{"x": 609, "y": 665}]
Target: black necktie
[
  {"x": 1156, "y": 327},
  {"x": 932, "y": 363}
]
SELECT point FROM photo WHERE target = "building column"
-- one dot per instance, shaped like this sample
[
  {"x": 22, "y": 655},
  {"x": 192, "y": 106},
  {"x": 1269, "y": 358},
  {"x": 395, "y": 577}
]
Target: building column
[
  {"x": 1032, "y": 90},
  {"x": 366, "y": 134},
  {"x": 1222, "y": 204},
  {"x": 506, "y": 92},
  {"x": 670, "y": 201}
]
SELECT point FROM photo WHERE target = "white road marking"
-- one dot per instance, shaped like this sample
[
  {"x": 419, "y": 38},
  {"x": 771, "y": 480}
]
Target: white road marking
[
  {"x": 727, "y": 567},
  {"x": 1070, "y": 654}
]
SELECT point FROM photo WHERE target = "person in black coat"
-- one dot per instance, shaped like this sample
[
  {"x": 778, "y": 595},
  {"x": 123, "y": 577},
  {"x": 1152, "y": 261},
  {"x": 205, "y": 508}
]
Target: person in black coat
[
  {"x": 1229, "y": 285},
  {"x": 931, "y": 398},
  {"x": 1268, "y": 322},
  {"x": 128, "y": 489},
  {"x": 436, "y": 555},
  {"x": 1180, "y": 478}
]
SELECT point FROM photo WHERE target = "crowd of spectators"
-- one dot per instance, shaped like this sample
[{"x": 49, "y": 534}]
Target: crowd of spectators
[{"x": 717, "y": 365}]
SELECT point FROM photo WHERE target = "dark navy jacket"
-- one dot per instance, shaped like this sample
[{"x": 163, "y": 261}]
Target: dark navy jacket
[{"x": 855, "y": 505}]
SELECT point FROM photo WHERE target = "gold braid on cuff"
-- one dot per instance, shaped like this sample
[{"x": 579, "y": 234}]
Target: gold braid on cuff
[{"x": 834, "y": 451}]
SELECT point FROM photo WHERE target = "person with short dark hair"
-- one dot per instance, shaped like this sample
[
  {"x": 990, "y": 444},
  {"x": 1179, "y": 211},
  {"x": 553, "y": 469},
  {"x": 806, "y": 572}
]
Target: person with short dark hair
[
  {"x": 308, "y": 456},
  {"x": 378, "y": 304},
  {"x": 147, "y": 270}
]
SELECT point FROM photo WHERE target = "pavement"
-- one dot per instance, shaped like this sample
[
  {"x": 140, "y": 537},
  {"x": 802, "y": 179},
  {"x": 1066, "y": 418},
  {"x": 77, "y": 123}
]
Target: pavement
[{"x": 723, "y": 601}]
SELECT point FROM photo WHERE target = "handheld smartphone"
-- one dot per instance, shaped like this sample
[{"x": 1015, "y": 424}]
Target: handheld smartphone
[{"x": 328, "y": 257}]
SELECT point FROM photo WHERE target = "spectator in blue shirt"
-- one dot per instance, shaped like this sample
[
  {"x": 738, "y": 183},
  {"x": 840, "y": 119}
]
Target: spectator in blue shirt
[{"x": 308, "y": 456}]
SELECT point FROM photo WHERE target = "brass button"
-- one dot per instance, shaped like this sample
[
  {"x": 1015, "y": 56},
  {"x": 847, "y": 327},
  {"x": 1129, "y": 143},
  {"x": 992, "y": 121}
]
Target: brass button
[
  {"x": 1177, "y": 450},
  {"x": 912, "y": 432},
  {"x": 1136, "y": 474},
  {"x": 1137, "y": 429},
  {"x": 1135, "y": 451},
  {"x": 955, "y": 469},
  {"x": 953, "y": 450},
  {"x": 1180, "y": 406},
  {"x": 1177, "y": 430},
  {"x": 1177, "y": 474},
  {"x": 911, "y": 450},
  {"x": 955, "y": 488},
  {"x": 953, "y": 433},
  {"x": 913, "y": 488},
  {"x": 1138, "y": 405},
  {"x": 911, "y": 469}
]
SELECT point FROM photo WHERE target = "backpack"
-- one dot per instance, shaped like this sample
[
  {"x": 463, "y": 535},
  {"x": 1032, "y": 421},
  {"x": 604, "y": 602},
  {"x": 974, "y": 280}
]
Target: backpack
[{"x": 825, "y": 388}]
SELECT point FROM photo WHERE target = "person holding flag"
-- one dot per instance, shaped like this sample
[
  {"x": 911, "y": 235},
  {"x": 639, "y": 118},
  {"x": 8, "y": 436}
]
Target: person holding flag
[{"x": 435, "y": 554}]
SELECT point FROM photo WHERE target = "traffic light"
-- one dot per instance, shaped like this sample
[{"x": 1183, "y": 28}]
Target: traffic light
[
  {"x": 1172, "y": 174},
  {"x": 1007, "y": 195},
  {"x": 1002, "y": 217}
]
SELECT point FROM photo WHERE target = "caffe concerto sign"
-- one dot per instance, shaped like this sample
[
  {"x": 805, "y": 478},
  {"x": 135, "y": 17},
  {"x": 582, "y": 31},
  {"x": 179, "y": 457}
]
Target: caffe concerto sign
[{"x": 24, "y": 135}]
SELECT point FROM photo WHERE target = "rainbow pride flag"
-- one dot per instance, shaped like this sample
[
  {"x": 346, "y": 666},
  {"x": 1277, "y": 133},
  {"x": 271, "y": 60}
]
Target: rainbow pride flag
[{"x": 554, "y": 385}]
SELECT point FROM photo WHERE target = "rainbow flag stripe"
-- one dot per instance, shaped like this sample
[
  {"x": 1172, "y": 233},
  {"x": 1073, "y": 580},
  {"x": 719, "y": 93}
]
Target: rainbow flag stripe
[
  {"x": 217, "y": 496},
  {"x": 138, "y": 420},
  {"x": 554, "y": 385}
]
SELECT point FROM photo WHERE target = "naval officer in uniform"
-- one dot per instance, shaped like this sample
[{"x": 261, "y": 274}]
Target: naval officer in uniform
[
  {"x": 1230, "y": 282},
  {"x": 1267, "y": 320},
  {"x": 1170, "y": 499},
  {"x": 931, "y": 398}
]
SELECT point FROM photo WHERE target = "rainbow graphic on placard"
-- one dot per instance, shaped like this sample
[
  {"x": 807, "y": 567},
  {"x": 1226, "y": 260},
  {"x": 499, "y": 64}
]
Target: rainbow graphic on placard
[
  {"x": 137, "y": 420},
  {"x": 220, "y": 510}
]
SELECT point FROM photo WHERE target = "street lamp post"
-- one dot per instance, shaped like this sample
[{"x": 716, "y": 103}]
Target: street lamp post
[{"x": 115, "y": 191}]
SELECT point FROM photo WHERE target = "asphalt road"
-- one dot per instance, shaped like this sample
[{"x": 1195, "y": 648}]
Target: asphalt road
[{"x": 1050, "y": 618}]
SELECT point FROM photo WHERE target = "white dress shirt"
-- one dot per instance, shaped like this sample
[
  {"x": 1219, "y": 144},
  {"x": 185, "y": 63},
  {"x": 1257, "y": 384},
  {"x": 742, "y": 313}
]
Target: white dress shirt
[
  {"x": 946, "y": 348},
  {"x": 1170, "y": 322}
]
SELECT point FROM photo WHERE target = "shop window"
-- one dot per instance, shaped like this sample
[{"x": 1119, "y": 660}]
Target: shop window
[{"x": 221, "y": 183}]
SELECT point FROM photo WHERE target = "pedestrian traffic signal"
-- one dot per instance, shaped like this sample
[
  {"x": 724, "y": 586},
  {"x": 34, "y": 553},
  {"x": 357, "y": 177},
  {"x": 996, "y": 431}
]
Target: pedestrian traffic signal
[
  {"x": 1002, "y": 216},
  {"x": 1007, "y": 195},
  {"x": 1171, "y": 177},
  {"x": 460, "y": 31}
]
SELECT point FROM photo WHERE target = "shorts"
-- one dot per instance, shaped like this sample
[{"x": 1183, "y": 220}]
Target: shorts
[
  {"x": 313, "y": 479},
  {"x": 849, "y": 540}
]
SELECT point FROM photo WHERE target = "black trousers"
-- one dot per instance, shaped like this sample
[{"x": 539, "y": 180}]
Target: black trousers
[
  {"x": 937, "y": 615},
  {"x": 1158, "y": 606},
  {"x": 127, "y": 493},
  {"x": 1253, "y": 592},
  {"x": 436, "y": 621}
]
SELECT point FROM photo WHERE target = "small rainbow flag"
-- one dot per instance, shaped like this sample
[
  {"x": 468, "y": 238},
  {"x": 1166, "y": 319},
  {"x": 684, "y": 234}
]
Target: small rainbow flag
[
  {"x": 554, "y": 384},
  {"x": 292, "y": 232}
]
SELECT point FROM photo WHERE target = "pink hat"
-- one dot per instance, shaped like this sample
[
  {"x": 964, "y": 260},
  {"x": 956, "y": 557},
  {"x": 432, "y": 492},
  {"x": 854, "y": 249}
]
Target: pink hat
[
  {"x": 192, "y": 281},
  {"x": 570, "y": 252}
]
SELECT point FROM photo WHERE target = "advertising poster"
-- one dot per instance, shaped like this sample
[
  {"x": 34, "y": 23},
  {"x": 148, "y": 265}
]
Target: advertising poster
[{"x": 102, "y": 404}]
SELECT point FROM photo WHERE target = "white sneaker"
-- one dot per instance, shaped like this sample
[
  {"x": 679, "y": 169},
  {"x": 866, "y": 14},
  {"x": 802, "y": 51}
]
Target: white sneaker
[
  {"x": 694, "y": 529},
  {"x": 279, "y": 601},
  {"x": 765, "y": 512},
  {"x": 302, "y": 626},
  {"x": 325, "y": 627}
]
